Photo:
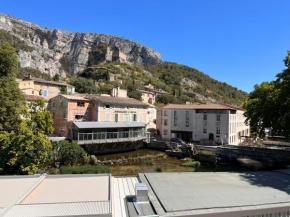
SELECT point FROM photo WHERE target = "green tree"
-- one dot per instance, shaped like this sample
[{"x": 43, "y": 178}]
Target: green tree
[
  {"x": 67, "y": 153},
  {"x": 39, "y": 119},
  {"x": 23, "y": 142},
  {"x": 268, "y": 106},
  {"x": 83, "y": 85},
  {"x": 11, "y": 98},
  {"x": 56, "y": 77}
]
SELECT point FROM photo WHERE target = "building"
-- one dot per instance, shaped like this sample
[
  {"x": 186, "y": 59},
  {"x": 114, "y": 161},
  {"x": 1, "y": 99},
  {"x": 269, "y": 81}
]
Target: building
[
  {"x": 41, "y": 87},
  {"x": 56, "y": 195},
  {"x": 148, "y": 96},
  {"x": 151, "y": 118},
  {"x": 205, "y": 123},
  {"x": 94, "y": 119},
  {"x": 67, "y": 109}
]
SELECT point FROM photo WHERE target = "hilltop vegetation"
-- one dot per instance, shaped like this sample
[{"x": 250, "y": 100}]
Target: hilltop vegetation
[
  {"x": 183, "y": 83},
  {"x": 173, "y": 74}
]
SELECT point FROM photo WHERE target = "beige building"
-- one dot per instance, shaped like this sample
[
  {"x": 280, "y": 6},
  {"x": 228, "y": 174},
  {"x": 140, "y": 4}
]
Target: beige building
[
  {"x": 41, "y": 87},
  {"x": 98, "y": 118},
  {"x": 203, "y": 123}
]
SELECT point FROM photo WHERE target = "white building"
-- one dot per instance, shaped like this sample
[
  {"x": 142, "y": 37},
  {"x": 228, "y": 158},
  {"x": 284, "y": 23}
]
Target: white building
[{"x": 220, "y": 123}]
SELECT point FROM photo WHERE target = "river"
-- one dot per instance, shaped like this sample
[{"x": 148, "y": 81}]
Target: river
[{"x": 168, "y": 164}]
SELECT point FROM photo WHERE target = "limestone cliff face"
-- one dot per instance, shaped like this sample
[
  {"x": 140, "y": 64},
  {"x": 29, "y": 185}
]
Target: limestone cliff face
[{"x": 58, "y": 51}]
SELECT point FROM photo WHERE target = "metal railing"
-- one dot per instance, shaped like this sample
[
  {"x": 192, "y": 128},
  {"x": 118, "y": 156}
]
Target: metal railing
[{"x": 112, "y": 136}]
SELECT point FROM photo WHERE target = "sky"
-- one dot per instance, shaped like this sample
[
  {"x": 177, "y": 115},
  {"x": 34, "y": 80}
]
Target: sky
[{"x": 240, "y": 42}]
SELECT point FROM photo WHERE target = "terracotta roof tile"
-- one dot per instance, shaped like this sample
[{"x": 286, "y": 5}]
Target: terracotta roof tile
[
  {"x": 118, "y": 100},
  {"x": 198, "y": 106},
  {"x": 76, "y": 97},
  {"x": 34, "y": 97},
  {"x": 41, "y": 80}
]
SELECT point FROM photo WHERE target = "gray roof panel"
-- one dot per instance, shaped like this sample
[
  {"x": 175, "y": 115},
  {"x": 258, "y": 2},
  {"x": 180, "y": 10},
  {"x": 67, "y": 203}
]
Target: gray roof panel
[
  {"x": 200, "y": 192},
  {"x": 101, "y": 125}
]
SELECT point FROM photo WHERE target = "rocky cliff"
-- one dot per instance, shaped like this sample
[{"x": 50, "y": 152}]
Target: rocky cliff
[{"x": 55, "y": 51}]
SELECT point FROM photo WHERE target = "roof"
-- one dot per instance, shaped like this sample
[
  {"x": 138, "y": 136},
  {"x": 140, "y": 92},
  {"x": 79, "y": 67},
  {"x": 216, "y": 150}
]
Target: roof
[
  {"x": 55, "y": 195},
  {"x": 199, "y": 106},
  {"x": 34, "y": 97},
  {"x": 206, "y": 192},
  {"x": 118, "y": 100},
  {"x": 232, "y": 106},
  {"x": 60, "y": 209},
  {"x": 75, "y": 97},
  {"x": 122, "y": 187},
  {"x": 101, "y": 125},
  {"x": 41, "y": 80}
]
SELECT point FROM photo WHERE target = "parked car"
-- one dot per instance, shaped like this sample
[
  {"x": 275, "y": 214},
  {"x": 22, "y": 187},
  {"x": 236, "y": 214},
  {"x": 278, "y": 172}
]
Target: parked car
[{"x": 177, "y": 140}]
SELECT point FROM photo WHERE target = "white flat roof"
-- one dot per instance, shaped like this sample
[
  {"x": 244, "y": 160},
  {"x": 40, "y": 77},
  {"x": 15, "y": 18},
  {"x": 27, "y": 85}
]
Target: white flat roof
[
  {"x": 55, "y": 195},
  {"x": 13, "y": 187},
  {"x": 57, "y": 189}
]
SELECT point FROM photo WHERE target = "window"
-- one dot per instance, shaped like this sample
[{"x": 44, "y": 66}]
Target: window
[
  {"x": 64, "y": 115},
  {"x": 218, "y": 128},
  {"x": 126, "y": 117},
  {"x": 165, "y": 122},
  {"x": 175, "y": 122},
  {"x": 33, "y": 92},
  {"x": 187, "y": 115},
  {"x": 165, "y": 113},
  {"x": 187, "y": 123},
  {"x": 127, "y": 107},
  {"x": 161, "y": 112},
  {"x": 165, "y": 132},
  {"x": 107, "y": 106},
  {"x": 134, "y": 117},
  {"x": 205, "y": 117},
  {"x": 81, "y": 104},
  {"x": 107, "y": 117},
  {"x": 218, "y": 117},
  {"x": 116, "y": 117},
  {"x": 175, "y": 114},
  {"x": 204, "y": 127},
  {"x": 79, "y": 117}
]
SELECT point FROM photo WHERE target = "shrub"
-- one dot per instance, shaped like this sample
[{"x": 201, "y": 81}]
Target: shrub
[
  {"x": 205, "y": 153},
  {"x": 84, "y": 169},
  {"x": 149, "y": 162},
  {"x": 67, "y": 153},
  {"x": 159, "y": 169},
  {"x": 195, "y": 164}
]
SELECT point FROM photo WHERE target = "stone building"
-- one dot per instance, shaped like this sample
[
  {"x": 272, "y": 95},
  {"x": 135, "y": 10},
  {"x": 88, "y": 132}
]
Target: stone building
[
  {"x": 41, "y": 87},
  {"x": 219, "y": 123}
]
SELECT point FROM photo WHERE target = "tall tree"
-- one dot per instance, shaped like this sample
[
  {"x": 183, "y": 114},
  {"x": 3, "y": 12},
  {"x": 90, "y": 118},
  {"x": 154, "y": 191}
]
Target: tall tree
[
  {"x": 83, "y": 85},
  {"x": 23, "y": 143},
  {"x": 268, "y": 106},
  {"x": 11, "y": 98}
]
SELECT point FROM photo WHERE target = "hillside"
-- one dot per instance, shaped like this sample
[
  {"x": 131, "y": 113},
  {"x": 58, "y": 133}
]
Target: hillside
[
  {"x": 185, "y": 84},
  {"x": 48, "y": 52}
]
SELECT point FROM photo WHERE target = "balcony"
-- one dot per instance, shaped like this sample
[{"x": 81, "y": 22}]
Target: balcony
[{"x": 110, "y": 137}]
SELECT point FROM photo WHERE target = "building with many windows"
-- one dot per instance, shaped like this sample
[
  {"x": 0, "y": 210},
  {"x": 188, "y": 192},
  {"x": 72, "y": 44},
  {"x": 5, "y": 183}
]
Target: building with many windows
[
  {"x": 93, "y": 119},
  {"x": 205, "y": 123}
]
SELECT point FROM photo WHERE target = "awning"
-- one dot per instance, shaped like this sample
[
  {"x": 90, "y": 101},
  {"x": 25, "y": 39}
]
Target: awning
[{"x": 104, "y": 125}]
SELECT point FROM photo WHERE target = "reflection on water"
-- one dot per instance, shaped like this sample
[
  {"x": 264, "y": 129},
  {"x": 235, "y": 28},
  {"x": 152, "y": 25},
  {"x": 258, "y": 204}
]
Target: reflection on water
[{"x": 168, "y": 164}]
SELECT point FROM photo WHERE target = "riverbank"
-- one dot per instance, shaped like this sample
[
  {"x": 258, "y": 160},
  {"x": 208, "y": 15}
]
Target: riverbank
[{"x": 132, "y": 163}]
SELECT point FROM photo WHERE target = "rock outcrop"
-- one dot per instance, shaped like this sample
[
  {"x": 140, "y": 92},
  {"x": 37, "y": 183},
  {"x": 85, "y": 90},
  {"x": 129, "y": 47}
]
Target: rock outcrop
[{"x": 58, "y": 51}]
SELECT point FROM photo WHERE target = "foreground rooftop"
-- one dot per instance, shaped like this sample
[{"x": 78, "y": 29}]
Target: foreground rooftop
[{"x": 170, "y": 194}]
